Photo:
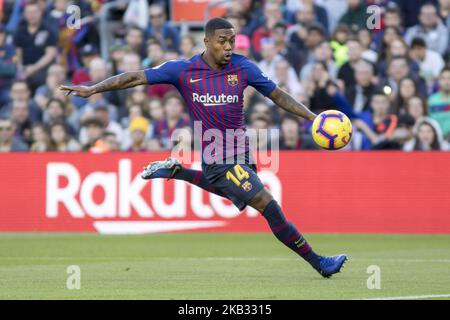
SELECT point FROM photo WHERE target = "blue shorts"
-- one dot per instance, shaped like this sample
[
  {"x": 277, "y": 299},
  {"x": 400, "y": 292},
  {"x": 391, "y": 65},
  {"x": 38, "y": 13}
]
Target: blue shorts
[{"x": 239, "y": 182}]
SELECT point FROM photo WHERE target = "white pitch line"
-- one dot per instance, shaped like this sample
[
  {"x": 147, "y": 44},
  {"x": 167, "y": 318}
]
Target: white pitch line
[{"x": 426, "y": 296}]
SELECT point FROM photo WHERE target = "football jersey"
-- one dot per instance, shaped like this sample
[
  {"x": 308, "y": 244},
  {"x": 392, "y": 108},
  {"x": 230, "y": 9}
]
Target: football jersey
[{"x": 214, "y": 98}]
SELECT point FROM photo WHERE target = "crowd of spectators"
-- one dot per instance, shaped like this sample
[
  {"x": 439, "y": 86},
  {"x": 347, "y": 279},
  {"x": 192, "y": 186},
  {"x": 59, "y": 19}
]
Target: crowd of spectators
[{"x": 389, "y": 71}]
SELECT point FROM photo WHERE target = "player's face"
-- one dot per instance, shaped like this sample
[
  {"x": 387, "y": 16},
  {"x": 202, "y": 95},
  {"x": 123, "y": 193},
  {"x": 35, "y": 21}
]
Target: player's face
[{"x": 221, "y": 45}]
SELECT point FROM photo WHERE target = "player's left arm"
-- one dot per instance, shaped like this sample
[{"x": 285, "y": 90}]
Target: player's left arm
[{"x": 285, "y": 101}]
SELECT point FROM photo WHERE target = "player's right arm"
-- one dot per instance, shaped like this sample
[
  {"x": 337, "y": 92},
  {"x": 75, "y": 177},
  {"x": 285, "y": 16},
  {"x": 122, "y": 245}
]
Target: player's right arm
[
  {"x": 121, "y": 81},
  {"x": 165, "y": 73}
]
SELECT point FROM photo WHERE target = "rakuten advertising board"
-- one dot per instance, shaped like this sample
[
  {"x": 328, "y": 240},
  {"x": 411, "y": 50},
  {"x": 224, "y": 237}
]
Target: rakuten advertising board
[{"x": 375, "y": 192}]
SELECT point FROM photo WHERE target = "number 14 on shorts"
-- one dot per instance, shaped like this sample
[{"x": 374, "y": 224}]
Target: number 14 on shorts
[{"x": 239, "y": 175}]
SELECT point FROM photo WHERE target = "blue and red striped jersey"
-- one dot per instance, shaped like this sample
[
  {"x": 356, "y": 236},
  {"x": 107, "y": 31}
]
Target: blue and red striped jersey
[{"x": 215, "y": 97}]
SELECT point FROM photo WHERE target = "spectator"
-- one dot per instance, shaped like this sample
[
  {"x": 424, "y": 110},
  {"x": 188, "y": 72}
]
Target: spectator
[
  {"x": 393, "y": 16},
  {"x": 155, "y": 58},
  {"x": 380, "y": 125},
  {"x": 389, "y": 35},
  {"x": 175, "y": 118},
  {"x": 439, "y": 102},
  {"x": 161, "y": 30},
  {"x": 40, "y": 138},
  {"x": 444, "y": 12},
  {"x": 110, "y": 141},
  {"x": 137, "y": 96},
  {"x": 130, "y": 62},
  {"x": 134, "y": 39},
  {"x": 286, "y": 76},
  {"x": 270, "y": 57},
  {"x": 315, "y": 36},
  {"x": 242, "y": 45},
  {"x": 365, "y": 39},
  {"x": 60, "y": 139},
  {"x": 88, "y": 52},
  {"x": 431, "y": 29},
  {"x": 155, "y": 54},
  {"x": 410, "y": 10},
  {"x": 416, "y": 107},
  {"x": 155, "y": 109},
  {"x": 427, "y": 136},
  {"x": 430, "y": 62},
  {"x": 392, "y": 19},
  {"x": 21, "y": 92},
  {"x": 321, "y": 53},
  {"x": 56, "y": 111},
  {"x": 9, "y": 142},
  {"x": 356, "y": 16},
  {"x": 20, "y": 117},
  {"x": 8, "y": 68},
  {"x": 346, "y": 72},
  {"x": 56, "y": 76},
  {"x": 134, "y": 110},
  {"x": 397, "y": 48},
  {"x": 317, "y": 89},
  {"x": 398, "y": 69},
  {"x": 286, "y": 49},
  {"x": 319, "y": 13},
  {"x": 36, "y": 45},
  {"x": 407, "y": 89},
  {"x": 188, "y": 45},
  {"x": 304, "y": 17},
  {"x": 98, "y": 72},
  {"x": 238, "y": 21},
  {"x": 101, "y": 113},
  {"x": 335, "y": 10},
  {"x": 291, "y": 137},
  {"x": 94, "y": 130},
  {"x": 401, "y": 134},
  {"x": 117, "y": 51},
  {"x": 360, "y": 94},
  {"x": 138, "y": 131},
  {"x": 339, "y": 44}
]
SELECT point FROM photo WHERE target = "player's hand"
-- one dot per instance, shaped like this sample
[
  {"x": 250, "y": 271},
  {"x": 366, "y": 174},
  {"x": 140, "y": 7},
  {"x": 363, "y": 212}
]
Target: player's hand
[{"x": 79, "y": 91}]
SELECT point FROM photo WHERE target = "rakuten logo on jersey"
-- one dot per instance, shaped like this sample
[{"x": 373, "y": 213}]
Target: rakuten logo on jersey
[
  {"x": 214, "y": 100},
  {"x": 126, "y": 206}
]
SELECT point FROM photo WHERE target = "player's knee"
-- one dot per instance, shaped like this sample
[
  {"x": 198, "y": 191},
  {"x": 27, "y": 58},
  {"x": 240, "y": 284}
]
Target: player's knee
[{"x": 261, "y": 200}]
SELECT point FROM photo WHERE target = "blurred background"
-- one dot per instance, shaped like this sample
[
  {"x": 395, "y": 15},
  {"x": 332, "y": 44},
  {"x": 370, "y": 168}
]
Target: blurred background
[{"x": 384, "y": 63}]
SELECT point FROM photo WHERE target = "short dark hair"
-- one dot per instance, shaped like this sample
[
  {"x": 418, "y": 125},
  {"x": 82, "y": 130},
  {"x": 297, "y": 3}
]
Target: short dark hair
[
  {"x": 418, "y": 42},
  {"x": 216, "y": 23},
  {"x": 380, "y": 92},
  {"x": 446, "y": 69}
]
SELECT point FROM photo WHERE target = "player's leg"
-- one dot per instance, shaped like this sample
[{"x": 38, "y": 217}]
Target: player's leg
[
  {"x": 287, "y": 233},
  {"x": 171, "y": 168},
  {"x": 243, "y": 186}
]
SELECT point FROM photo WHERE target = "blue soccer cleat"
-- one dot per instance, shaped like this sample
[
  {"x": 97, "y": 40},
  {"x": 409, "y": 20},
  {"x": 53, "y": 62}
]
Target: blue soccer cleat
[
  {"x": 331, "y": 265},
  {"x": 161, "y": 169}
]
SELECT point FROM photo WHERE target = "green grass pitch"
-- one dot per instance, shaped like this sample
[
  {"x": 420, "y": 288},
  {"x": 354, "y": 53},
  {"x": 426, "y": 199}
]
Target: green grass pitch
[{"x": 219, "y": 266}]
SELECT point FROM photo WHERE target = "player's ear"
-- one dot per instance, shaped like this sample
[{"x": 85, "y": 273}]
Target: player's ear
[{"x": 206, "y": 41}]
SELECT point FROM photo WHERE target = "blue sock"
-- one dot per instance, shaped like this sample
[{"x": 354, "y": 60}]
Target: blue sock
[{"x": 288, "y": 234}]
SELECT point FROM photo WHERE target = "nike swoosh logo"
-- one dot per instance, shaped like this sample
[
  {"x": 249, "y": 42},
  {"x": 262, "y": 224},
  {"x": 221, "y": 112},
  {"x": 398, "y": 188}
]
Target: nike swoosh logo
[{"x": 194, "y": 81}]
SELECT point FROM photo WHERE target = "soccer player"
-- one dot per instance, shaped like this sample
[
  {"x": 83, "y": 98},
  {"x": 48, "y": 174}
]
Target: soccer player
[{"x": 212, "y": 84}]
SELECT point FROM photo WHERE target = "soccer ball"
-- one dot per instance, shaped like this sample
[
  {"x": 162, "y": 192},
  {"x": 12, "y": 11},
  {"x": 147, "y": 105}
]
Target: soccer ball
[{"x": 332, "y": 130}]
